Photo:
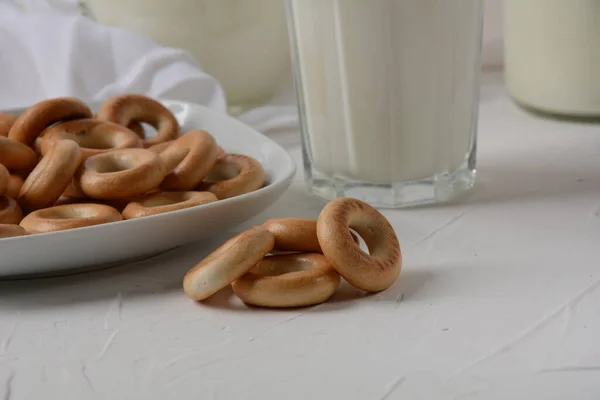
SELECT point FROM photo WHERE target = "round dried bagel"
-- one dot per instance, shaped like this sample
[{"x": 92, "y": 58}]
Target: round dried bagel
[
  {"x": 93, "y": 136},
  {"x": 227, "y": 263},
  {"x": 233, "y": 175},
  {"x": 162, "y": 202},
  {"x": 69, "y": 216},
  {"x": 296, "y": 235},
  {"x": 35, "y": 119},
  {"x": 189, "y": 159},
  {"x": 128, "y": 108},
  {"x": 293, "y": 280},
  {"x": 51, "y": 176},
  {"x": 120, "y": 174},
  {"x": 371, "y": 272}
]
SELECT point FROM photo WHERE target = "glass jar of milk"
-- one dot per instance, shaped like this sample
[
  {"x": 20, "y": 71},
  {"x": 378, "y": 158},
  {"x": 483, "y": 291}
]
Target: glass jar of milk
[
  {"x": 242, "y": 43},
  {"x": 552, "y": 55},
  {"x": 388, "y": 95}
]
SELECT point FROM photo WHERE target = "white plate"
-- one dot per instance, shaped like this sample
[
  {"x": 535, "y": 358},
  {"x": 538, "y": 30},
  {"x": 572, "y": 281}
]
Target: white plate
[{"x": 90, "y": 247}]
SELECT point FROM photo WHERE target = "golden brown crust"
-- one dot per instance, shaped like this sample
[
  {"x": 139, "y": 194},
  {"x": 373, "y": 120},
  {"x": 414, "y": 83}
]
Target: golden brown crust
[
  {"x": 227, "y": 263},
  {"x": 4, "y": 178},
  {"x": 242, "y": 174},
  {"x": 10, "y": 212},
  {"x": 294, "y": 234},
  {"x": 35, "y": 119},
  {"x": 120, "y": 174},
  {"x": 69, "y": 216},
  {"x": 16, "y": 156},
  {"x": 51, "y": 176},
  {"x": 163, "y": 202},
  {"x": 293, "y": 280},
  {"x": 6, "y": 121},
  {"x": 372, "y": 272},
  {"x": 15, "y": 182},
  {"x": 189, "y": 159},
  {"x": 11, "y": 230},
  {"x": 159, "y": 147},
  {"x": 128, "y": 108},
  {"x": 93, "y": 136}
]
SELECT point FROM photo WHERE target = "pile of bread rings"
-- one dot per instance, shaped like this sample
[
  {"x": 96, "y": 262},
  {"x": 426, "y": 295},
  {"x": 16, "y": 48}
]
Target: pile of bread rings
[
  {"x": 293, "y": 262},
  {"x": 62, "y": 167}
]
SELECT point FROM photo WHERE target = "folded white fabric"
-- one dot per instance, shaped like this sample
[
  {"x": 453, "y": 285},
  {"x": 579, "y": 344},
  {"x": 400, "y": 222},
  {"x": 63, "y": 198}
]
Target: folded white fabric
[
  {"x": 49, "y": 49},
  {"x": 49, "y": 54}
]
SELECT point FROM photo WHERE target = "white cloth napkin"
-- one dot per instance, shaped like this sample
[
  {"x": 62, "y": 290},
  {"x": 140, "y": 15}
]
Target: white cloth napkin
[
  {"x": 48, "y": 49},
  {"x": 49, "y": 54}
]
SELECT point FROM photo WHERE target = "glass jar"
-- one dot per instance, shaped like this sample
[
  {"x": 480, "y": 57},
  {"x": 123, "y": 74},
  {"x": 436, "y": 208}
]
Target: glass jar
[
  {"x": 552, "y": 56},
  {"x": 241, "y": 43},
  {"x": 388, "y": 96}
]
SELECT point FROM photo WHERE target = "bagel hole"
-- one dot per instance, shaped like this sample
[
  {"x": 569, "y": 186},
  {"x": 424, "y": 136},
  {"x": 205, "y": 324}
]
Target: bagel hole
[
  {"x": 165, "y": 198},
  {"x": 282, "y": 264},
  {"x": 375, "y": 242},
  {"x": 358, "y": 239},
  {"x": 149, "y": 130},
  {"x": 114, "y": 163},
  {"x": 222, "y": 172}
]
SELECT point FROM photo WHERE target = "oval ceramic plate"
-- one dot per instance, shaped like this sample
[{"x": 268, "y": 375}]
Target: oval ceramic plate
[{"x": 84, "y": 248}]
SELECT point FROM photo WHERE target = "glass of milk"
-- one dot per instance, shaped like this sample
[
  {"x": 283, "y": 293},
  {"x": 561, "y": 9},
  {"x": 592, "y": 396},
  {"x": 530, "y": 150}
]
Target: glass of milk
[
  {"x": 388, "y": 96},
  {"x": 242, "y": 43},
  {"x": 552, "y": 56}
]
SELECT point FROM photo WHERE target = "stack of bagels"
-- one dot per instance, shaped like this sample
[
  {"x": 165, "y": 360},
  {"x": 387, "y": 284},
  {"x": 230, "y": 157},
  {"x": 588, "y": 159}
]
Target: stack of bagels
[
  {"x": 294, "y": 262},
  {"x": 62, "y": 167}
]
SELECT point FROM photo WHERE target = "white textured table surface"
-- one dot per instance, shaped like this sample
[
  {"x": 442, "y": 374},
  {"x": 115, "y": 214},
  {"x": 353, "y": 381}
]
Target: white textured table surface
[{"x": 499, "y": 297}]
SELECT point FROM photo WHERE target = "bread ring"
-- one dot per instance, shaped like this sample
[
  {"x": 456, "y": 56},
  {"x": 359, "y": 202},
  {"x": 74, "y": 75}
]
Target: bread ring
[
  {"x": 234, "y": 175},
  {"x": 128, "y": 108},
  {"x": 159, "y": 147},
  {"x": 162, "y": 202},
  {"x": 4, "y": 177},
  {"x": 16, "y": 156},
  {"x": 227, "y": 263},
  {"x": 51, "y": 176},
  {"x": 14, "y": 186},
  {"x": 11, "y": 230},
  {"x": 120, "y": 174},
  {"x": 69, "y": 216},
  {"x": 93, "y": 136},
  {"x": 371, "y": 272},
  {"x": 32, "y": 122},
  {"x": 296, "y": 235},
  {"x": 189, "y": 159},
  {"x": 10, "y": 212},
  {"x": 292, "y": 280},
  {"x": 6, "y": 121}
]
